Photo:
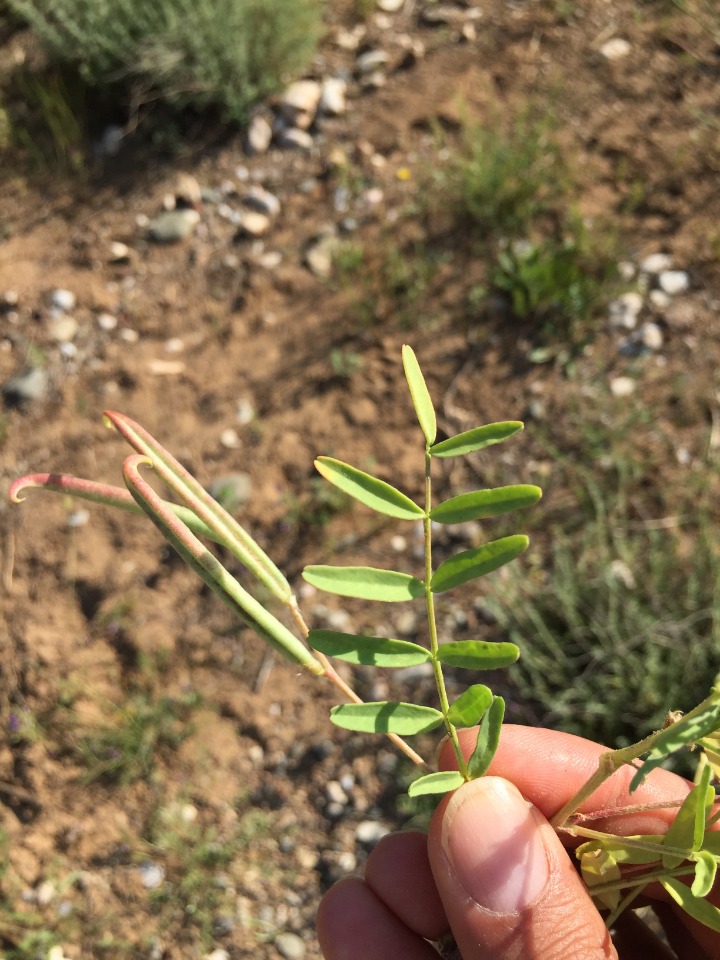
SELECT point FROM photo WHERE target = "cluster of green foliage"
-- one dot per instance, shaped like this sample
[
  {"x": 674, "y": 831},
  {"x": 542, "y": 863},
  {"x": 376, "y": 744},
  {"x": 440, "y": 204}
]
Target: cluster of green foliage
[{"x": 223, "y": 54}]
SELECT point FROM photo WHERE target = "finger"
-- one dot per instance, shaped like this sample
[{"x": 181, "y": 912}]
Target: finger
[
  {"x": 398, "y": 872},
  {"x": 508, "y": 886},
  {"x": 548, "y": 767},
  {"x": 353, "y": 924}
]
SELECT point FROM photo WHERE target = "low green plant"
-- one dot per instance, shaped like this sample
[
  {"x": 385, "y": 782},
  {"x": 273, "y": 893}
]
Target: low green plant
[
  {"x": 214, "y": 53},
  {"x": 615, "y": 868}
]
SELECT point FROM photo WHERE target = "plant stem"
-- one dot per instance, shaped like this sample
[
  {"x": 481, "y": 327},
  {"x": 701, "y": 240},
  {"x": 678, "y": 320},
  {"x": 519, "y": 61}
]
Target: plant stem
[{"x": 430, "y": 604}]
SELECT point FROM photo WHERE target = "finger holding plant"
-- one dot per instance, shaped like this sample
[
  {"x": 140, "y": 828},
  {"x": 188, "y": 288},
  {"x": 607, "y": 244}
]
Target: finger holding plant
[{"x": 615, "y": 868}]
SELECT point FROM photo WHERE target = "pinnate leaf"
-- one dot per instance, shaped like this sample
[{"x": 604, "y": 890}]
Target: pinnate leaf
[
  {"x": 686, "y": 730},
  {"x": 374, "y": 493},
  {"x": 367, "y": 583},
  {"x": 470, "y": 706},
  {"x": 470, "y": 564},
  {"x": 419, "y": 393},
  {"x": 372, "y": 651},
  {"x": 478, "y": 654},
  {"x": 476, "y": 439},
  {"x": 441, "y": 782},
  {"x": 694, "y": 906},
  {"x": 485, "y": 503},
  {"x": 488, "y": 738},
  {"x": 404, "y": 719}
]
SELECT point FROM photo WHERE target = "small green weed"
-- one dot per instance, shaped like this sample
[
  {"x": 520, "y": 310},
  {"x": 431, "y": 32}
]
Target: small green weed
[{"x": 345, "y": 363}]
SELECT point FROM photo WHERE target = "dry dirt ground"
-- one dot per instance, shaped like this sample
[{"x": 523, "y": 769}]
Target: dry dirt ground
[{"x": 142, "y": 728}]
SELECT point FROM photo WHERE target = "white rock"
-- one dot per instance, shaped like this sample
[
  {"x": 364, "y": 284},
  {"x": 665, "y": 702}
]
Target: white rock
[
  {"x": 78, "y": 518},
  {"x": 627, "y": 270},
  {"x": 300, "y": 99},
  {"x": 659, "y": 299},
  {"x": 151, "y": 875},
  {"x": 369, "y": 832},
  {"x": 45, "y": 893},
  {"x": 335, "y": 792},
  {"x": 229, "y": 439},
  {"x": 63, "y": 299},
  {"x": 319, "y": 255},
  {"x": 615, "y": 49},
  {"x": 674, "y": 281},
  {"x": 62, "y": 328},
  {"x": 173, "y": 226},
  {"x": 332, "y": 97},
  {"x": 290, "y": 946},
  {"x": 259, "y": 136},
  {"x": 174, "y": 345},
  {"x": 245, "y": 412},
  {"x": 622, "y": 386},
  {"x": 651, "y": 336},
  {"x": 106, "y": 321},
  {"x": 656, "y": 263},
  {"x": 10, "y": 298},
  {"x": 270, "y": 259},
  {"x": 119, "y": 252},
  {"x": 370, "y": 61},
  {"x": 625, "y": 309},
  {"x": 166, "y": 368},
  {"x": 390, "y": 6},
  {"x": 291, "y": 138},
  {"x": 187, "y": 190},
  {"x": 252, "y": 223},
  {"x": 398, "y": 543},
  {"x": 260, "y": 199},
  {"x": 218, "y": 954}
]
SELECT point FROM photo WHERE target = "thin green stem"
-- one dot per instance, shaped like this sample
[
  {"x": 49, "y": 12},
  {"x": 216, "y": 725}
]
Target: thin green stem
[
  {"x": 432, "y": 625},
  {"x": 622, "y": 906}
]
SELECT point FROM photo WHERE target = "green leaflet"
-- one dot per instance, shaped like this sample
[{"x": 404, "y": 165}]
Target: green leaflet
[
  {"x": 692, "y": 905},
  {"x": 374, "y": 493},
  {"x": 474, "y": 563},
  {"x": 687, "y": 830},
  {"x": 476, "y": 439},
  {"x": 470, "y": 706},
  {"x": 404, "y": 719},
  {"x": 488, "y": 738},
  {"x": 705, "y": 872},
  {"x": 441, "y": 782},
  {"x": 367, "y": 583},
  {"x": 373, "y": 651},
  {"x": 478, "y": 654},
  {"x": 693, "y": 726},
  {"x": 419, "y": 393},
  {"x": 485, "y": 503},
  {"x": 623, "y": 850}
]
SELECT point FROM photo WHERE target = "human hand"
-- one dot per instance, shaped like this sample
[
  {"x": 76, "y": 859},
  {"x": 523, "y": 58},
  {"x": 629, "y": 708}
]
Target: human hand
[{"x": 495, "y": 873}]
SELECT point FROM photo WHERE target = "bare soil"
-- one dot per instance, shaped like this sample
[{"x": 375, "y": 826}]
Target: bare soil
[{"x": 101, "y": 615}]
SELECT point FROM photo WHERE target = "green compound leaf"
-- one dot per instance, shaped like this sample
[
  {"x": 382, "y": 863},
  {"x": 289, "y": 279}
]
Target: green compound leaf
[
  {"x": 476, "y": 439},
  {"x": 441, "y": 782},
  {"x": 474, "y": 563},
  {"x": 372, "y": 651},
  {"x": 688, "y": 729},
  {"x": 485, "y": 503},
  {"x": 478, "y": 654},
  {"x": 374, "y": 493},
  {"x": 705, "y": 872},
  {"x": 419, "y": 393},
  {"x": 488, "y": 738},
  {"x": 470, "y": 706},
  {"x": 694, "y": 906},
  {"x": 367, "y": 583},
  {"x": 404, "y": 719},
  {"x": 687, "y": 830}
]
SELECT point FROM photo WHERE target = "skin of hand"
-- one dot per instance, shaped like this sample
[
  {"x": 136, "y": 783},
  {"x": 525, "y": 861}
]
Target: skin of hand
[{"x": 495, "y": 873}]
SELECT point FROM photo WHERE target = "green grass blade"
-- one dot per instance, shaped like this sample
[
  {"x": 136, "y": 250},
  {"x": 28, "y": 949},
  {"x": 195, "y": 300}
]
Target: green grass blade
[
  {"x": 474, "y": 563},
  {"x": 690, "y": 728},
  {"x": 705, "y": 873},
  {"x": 488, "y": 738},
  {"x": 404, "y": 719},
  {"x": 441, "y": 782},
  {"x": 209, "y": 568},
  {"x": 367, "y": 583},
  {"x": 374, "y": 493},
  {"x": 470, "y": 706},
  {"x": 371, "y": 651},
  {"x": 485, "y": 503},
  {"x": 419, "y": 393},
  {"x": 695, "y": 907},
  {"x": 687, "y": 830},
  {"x": 478, "y": 654},
  {"x": 476, "y": 439},
  {"x": 226, "y": 528}
]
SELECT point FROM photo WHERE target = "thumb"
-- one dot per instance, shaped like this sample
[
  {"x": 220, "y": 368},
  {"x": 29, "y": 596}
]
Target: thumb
[{"x": 509, "y": 888}]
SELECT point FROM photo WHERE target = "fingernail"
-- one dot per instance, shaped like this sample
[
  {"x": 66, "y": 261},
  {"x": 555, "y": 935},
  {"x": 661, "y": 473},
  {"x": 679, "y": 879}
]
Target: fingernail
[{"x": 493, "y": 844}]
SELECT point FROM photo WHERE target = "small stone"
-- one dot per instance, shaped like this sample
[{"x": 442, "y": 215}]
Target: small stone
[
  {"x": 251, "y": 223},
  {"x": 299, "y": 102},
  {"x": 259, "y": 136},
  {"x": 290, "y": 946},
  {"x": 620, "y": 571},
  {"x": 398, "y": 543},
  {"x": 332, "y": 97},
  {"x": 128, "y": 335},
  {"x": 615, "y": 49},
  {"x": 622, "y": 386},
  {"x": 56, "y": 953},
  {"x": 270, "y": 259},
  {"x": 627, "y": 270},
  {"x": 78, "y": 518},
  {"x": 684, "y": 457},
  {"x": 406, "y": 623},
  {"x": 656, "y": 263},
  {"x": 370, "y": 832},
  {"x": 45, "y": 893},
  {"x": 659, "y": 299},
  {"x": 651, "y": 336},
  {"x": 30, "y": 384},
  {"x": 119, "y": 252},
  {"x": 260, "y": 199},
  {"x": 370, "y": 61},
  {"x": 335, "y": 792},
  {"x": 306, "y": 857},
  {"x": 319, "y": 255},
  {"x": 107, "y": 322},
  {"x": 173, "y": 226},
  {"x": 390, "y": 6},
  {"x": 189, "y": 813},
  {"x": 625, "y": 309},
  {"x": 231, "y": 490},
  {"x": 442, "y": 13},
  {"x": 166, "y": 368},
  {"x": 63, "y": 300},
  {"x": 245, "y": 412},
  {"x": 9, "y": 299},
  {"x": 339, "y": 620},
  {"x": 218, "y": 954},
  {"x": 290, "y": 138},
  {"x": 62, "y": 328},
  {"x": 151, "y": 875},
  {"x": 187, "y": 191},
  {"x": 674, "y": 281}
]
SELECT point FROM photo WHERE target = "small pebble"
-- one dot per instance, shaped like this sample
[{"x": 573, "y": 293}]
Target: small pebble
[
  {"x": 659, "y": 299},
  {"x": 370, "y": 61},
  {"x": 290, "y": 946},
  {"x": 63, "y": 300},
  {"x": 622, "y": 386},
  {"x": 78, "y": 518},
  {"x": 390, "y": 6},
  {"x": 290, "y": 138},
  {"x": 231, "y": 490},
  {"x": 259, "y": 136},
  {"x": 119, "y": 252},
  {"x": 651, "y": 336},
  {"x": 30, "y": 384},
  {"x": 260, "y": 199},
  {"x": 398, "y": 543},
  {"x": 62, "y": 328},
  {"x": 229, "y": 439},
  {"x": 656, "y": 263},
  {"x": 218, "y": 954},
  {"x": 151, "y": 875},
  {"x": 625, "y": 309},
  {"x": 107, "y": 322},
  {"x": 674, "y": 281},
  {"x": 369, "y": 832},
  {"x": 173, "y": 226},
  {"x": 45, "y": 893},
  {"x": 332, "y": 97},
  {"x": 615, "y": 49},
  {"x": 251, "y": 223},
  {"x": 335, "y": 793}
]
